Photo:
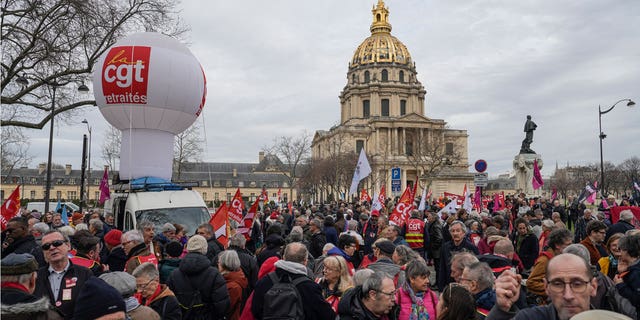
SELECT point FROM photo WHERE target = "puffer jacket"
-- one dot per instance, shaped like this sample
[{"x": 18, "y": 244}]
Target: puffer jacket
[
  {"x": 18, "y": 305},
  {"x": 196, "y": 273}
]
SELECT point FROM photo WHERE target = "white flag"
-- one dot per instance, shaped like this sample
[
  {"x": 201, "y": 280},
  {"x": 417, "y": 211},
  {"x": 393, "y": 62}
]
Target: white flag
[
  {"x": 423, "y": 201},
  {"x": 363, "y": 169},
  {"x": 467, "y": 200},
  {"x": 449, "y": 208}
]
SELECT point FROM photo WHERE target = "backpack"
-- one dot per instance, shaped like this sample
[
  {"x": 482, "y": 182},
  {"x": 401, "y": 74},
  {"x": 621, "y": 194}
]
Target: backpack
[
  {"x": 283, "y": 300},
  {"x": 190, "y": 300}
]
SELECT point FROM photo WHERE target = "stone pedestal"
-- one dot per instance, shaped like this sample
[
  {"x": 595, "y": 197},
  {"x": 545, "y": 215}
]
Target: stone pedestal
[{"x": 523, "y": 167}]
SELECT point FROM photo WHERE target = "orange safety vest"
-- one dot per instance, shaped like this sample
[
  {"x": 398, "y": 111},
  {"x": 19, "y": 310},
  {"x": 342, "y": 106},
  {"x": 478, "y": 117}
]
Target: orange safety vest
[
  {"x": 415, "y": 234},
  {"x": 87, "y": 263},
  {"x": 142, "y": 259}
]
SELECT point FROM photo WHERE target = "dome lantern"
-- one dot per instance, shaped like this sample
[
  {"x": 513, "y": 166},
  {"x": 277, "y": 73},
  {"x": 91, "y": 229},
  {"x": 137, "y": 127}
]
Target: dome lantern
[{"x": 380, "y": 22}]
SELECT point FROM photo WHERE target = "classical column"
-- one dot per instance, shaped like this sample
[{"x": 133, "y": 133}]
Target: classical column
[{"x": 403, "y": 143}]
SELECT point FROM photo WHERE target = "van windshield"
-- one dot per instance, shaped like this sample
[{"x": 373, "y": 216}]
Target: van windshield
[{"x": 190, "y": 217}]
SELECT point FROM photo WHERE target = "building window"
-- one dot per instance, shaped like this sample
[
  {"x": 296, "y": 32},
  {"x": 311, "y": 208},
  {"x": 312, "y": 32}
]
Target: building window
[
  {"x": 229, "y": 184},
  {"x": 72, "y": 181},
  {"x": 205, "y": 183},
  {"x": 385, "y": 107},
  {"x": 59, "y": 195},
  {"x": 33, "y": 195},
  {"x": 353, "y": 78},
  {"x": 204, "y": 196},
  {"x": 448, "y": 148},
  {"x": 285, "y": 197},
  {"x": 408, "y": 147},
  {"x": 253, "y": 196},
  {"x": 241, "y": 184},
  {"x": 403, "y": 107},
  {"x": 96, "y": 195},
  {"x": 216, "y": 183},
  {"x": 252, "y": 184},
  {"x": 96, "y": 181},
  {"x": 359, "y": 145},
  {"x": 71, "y": 195},
  {"x": 366, "y": 77},
  {"x": 228, "y": 197},
  {"x": 401, "y": 76},
  {"x": 34, "y": 180},
  {"x": 366, "y": 112},
  {"x": 385, "y": 75},
  {"x": 216, "y": 196},
  {"x": 59, "y": 181}
]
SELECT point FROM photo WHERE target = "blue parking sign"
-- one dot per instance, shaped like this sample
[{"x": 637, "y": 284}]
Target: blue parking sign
[{"x": 395, "y": 173}]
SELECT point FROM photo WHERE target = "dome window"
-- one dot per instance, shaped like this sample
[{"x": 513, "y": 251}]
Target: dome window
[
  {"x": 403, "y": 107},
  {"x": 401, "y": 76},
  {"x": 353, "y": 79},
  {"x": 385, "y": 75},
  {"x": 378, "y": 17},
  {"x": 366, "y": 77},
  {"x": 366, "y": 109}
]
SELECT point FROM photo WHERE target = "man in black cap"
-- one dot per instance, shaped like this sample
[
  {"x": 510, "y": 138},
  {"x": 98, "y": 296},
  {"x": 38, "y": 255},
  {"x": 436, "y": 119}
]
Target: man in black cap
[
  {"x": 16, "y": 238},
  {"x": 384, "y": 262},
  {"x": 18, "y": 276}
]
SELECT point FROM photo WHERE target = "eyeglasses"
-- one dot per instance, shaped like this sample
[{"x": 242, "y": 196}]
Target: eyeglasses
[
  {"x": 469, "y": 280},
  {"x": 144, "y": 286},
  {"x": 54, "y": 243},
  {"x": 388, "y": 294},
  {"x": 558, "y": 286}
]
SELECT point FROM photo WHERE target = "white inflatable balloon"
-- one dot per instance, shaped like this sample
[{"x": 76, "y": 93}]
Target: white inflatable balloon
[{"x": 151, "y": 87}]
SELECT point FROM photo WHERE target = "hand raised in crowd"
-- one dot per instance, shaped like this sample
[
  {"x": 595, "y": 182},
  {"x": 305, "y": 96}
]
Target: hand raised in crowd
[{"x": 507, "y": 289}]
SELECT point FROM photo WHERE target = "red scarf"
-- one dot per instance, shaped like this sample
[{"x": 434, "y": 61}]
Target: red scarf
[
  {"x": 14, "y": 285},
  {"x": 153, "y": 296}
]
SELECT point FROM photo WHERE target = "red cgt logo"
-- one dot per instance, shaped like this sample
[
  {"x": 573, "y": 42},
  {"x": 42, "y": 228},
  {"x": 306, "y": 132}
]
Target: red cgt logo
[{"x": 125, "y": 75}]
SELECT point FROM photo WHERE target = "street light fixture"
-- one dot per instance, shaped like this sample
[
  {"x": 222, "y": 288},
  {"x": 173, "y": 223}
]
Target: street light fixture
[
  {"x": 47, "y": 191},
  {"x": 88, "y": 197},
  {"x": 630, "y": 103}
]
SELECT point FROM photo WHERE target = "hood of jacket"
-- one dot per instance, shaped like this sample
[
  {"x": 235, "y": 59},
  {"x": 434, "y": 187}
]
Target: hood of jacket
[
  {"x": 386, "y": 265},
  {"x": 274, "y": 240},
  {"x": 22, "y": 303},
  {"x": 194, "y": 263},
  {"x": 351, "y": 305},
  {"x": 486, "y": 298},
  {"x": 335, "y": 251},
  {"x": 237, "y": 277}
]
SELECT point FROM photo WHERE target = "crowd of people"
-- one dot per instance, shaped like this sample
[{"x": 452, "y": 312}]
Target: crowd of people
[{"x": 536, "y": 259}]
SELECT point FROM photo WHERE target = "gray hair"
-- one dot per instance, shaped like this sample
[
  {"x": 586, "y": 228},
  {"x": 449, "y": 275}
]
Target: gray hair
[
  {"x": 229, "y": 260},
  {"x": 463, "y": 259},
  {"x": 296, "y": 252},
  {"x": 96, "y": 224},
  {"x": 81, "y": 226},
  {"x": 147, "y": 270},
  {"x": 132, "y": 235},
  {"x": 555, "y": 214},
  {"x": 19, "y": 278},
  {"x": 579, "y": 250},
  {"x": 361, "y": 276},
  {"x": 316, "y": 222},
  {"x": 67, "y": 231},
  {"x": 374, "y": 282},
  {"x": 406, "y": 254},
  {"x": 482, "y": 273},
  {"x": 238, "y": 240},
  {"x": 146, "y": 225},
  {"x": 626, "y": 215},
  {"x": 417, "y": 268},
  {"x": 41, "y": 227},
  {"x": 460, "y": 223},
  {"x": 503, "y": 247},
  {"x": 328, "y": 247},
  {"x": 353, "y": 225},
  {"x": 64, "y": 236},
  {"x": 547, "y": 223}
]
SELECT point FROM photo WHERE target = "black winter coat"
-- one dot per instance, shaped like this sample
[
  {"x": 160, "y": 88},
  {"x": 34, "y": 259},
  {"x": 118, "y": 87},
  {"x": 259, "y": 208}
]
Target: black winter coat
[
  {"x": 435, "y": 239},
  {"x": 27, "y": 244},
  {"x": 274, "y": 243},
  {"x": 43, "y": 289},
  {"x": 630, "y": 287},
  {"x": 314, "y": 304},
  {"x": 195, "y": 272},
  {"x": 618, "y": 227},
  {"x": 447, "y": 251},
  {"x": 17, "y": 304},
  {"x": 248, "y": 263},
  {"x": 351, "y": 307},
  {"x": 318, "y": 240},
  {"x": 116, "y": 259},
  {"x": 528, "y": 252}
]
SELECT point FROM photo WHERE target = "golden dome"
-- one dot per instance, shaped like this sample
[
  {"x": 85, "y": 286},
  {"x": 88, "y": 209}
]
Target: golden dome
[{"x": 381, "y": 46}]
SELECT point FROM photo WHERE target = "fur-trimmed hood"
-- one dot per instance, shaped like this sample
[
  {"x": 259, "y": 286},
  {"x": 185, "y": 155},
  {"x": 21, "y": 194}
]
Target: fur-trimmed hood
[{"x": 17, "y": 304}]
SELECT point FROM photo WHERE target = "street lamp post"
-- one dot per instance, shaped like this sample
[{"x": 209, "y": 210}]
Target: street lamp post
[
  {"x": 47, "y": 191},
  {"x": 630, "y": 103},
  {"x": 89, "y": 166}
]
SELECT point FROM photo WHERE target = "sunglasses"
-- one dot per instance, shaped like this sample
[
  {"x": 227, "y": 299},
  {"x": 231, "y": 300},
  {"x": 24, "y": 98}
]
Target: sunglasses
[{"x": 55, "y": 243}]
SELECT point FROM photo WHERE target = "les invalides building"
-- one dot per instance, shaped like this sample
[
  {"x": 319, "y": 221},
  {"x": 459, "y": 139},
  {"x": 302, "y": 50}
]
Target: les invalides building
[{"x": 382, "y": 110}]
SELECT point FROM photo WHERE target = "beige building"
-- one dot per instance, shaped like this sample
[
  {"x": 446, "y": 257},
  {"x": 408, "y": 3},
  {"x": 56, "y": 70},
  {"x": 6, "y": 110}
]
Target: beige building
[{"x": 382, "y": 110}]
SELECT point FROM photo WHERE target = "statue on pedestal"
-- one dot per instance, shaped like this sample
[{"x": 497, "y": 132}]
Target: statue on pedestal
[{"x": 529, "y": 127}]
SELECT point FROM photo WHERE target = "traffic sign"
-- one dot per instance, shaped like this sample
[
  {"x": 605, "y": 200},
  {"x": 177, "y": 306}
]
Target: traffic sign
[
  {"x": 395, "y": 173},
  {"x": 481, "y": 165},
  {"x": 481, "y": 179},
  {"x": 396, "y": 186}
]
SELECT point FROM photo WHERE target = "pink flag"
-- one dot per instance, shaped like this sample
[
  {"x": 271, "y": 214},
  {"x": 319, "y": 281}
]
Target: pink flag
[
  {"x": 537, "y": 181},
  {"x": 104, "y": 187},
  {"x": 477, "y": 198},
  {"x": 554, "y": 193},
  {"x": 496, "y": 202},
  {"x": 592, "y": 198}
]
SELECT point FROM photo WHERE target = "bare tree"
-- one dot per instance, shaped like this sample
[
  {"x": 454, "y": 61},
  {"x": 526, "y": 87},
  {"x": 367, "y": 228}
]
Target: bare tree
[
  {"x": 14, "y": 150},
  {"x": 110, "y": 148},
  {"x": 293, "y": 151},
  {"x": 58, "y": 42},
  {"x": 187, "y": 148},
  {"x": 431, "y": 153}
]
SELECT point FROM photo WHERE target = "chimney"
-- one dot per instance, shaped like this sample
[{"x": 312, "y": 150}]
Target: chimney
[
  {"x": 260, "y": 156},
  {"x": 235, "y": 172},
  {"x": 42, "y": 167},
  {"x": 67, "y": 169}
]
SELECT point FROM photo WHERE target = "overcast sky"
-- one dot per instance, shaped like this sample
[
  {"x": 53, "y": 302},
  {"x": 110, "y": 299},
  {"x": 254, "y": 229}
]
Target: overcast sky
[{"x": 277, "y": 67}]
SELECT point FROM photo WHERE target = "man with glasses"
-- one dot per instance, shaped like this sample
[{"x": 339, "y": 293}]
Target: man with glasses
[
  {"x": 569, "y": 283},
  {"x": 375, "y": 299},
  {"x": 155, "y": 295},
  {"x": 60, "y": 280},
  {"x": 596, "y": 232},
  {"x": 137, "y": 251}
]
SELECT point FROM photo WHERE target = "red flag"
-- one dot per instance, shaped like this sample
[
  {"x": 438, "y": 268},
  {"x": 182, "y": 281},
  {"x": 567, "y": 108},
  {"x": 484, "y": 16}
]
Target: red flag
[
  {"x": 402, "y": 210},
  {"x": 382, "y": 197},
  {"x": 452, "y": 196},
  {"x": 279, "y": 195},
  {"x": 104, "y": 187},
  {"x": 247, "y": 221},
  {"x": 477, "y": 198},
  {"x": 264, "y": 195},
  {"x": 10, "y": 208},
  {"x": 219, "y": 221},
  {"x": 536, "y": 181},
  {"x": 364, "y": 196},
  {"x": 236, "y": 207},
  {"x": 414, "y": 189}
]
